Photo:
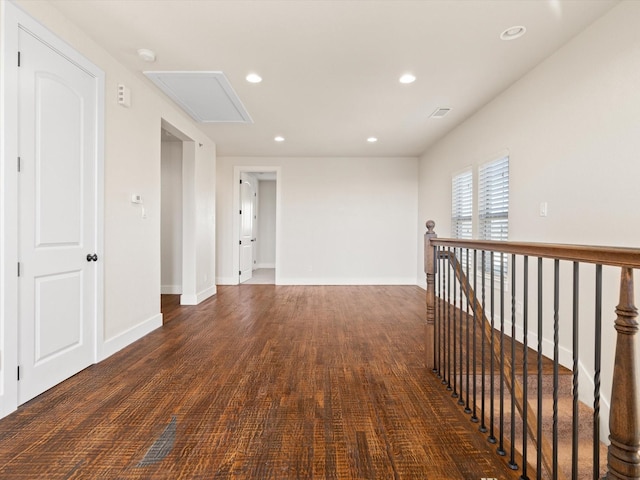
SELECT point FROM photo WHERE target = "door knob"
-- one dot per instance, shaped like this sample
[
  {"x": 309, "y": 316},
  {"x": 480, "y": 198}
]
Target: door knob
[{"x": 92, "y": 258}]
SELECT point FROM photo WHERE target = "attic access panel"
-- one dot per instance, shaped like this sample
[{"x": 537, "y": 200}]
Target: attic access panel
[{"x": 207, "y": 96}]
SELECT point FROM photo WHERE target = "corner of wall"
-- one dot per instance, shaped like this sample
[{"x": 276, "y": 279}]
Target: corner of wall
[{"x": 126, "y": 338}]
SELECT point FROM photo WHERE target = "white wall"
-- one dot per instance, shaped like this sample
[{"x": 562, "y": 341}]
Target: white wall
[
  {"x": 132, "y": 165},
  {"x": 171, "y": 221},
  {"x": 198, "y": 222},
  {"x": 266, "y": 224},
  {"x": 572, "y": 127},
  {"x": 343, "y": 220}
]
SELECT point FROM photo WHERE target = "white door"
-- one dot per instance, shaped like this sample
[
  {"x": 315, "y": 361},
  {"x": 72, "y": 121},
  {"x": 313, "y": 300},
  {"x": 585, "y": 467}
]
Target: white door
[
  {"x": 57, "y": 217},
  {"x": 247, "y": 203}
]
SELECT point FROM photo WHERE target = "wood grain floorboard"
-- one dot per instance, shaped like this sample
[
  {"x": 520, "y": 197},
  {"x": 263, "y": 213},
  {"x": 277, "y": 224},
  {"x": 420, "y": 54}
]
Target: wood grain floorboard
[{"x": 258, "y": 382}]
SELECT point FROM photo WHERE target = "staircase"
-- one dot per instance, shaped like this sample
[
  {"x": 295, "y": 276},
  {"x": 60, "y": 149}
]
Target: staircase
[
  {"x": 515, "y": 394},
  {"x": 585, "y": 458},
  {"x": 535, "y": 461}
]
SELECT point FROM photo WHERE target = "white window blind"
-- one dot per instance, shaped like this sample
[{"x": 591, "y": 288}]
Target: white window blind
[
  {"x": 493, "y": 200},
  {"x": 462, "y": 205},
  {"x": 493, "y": 204}
]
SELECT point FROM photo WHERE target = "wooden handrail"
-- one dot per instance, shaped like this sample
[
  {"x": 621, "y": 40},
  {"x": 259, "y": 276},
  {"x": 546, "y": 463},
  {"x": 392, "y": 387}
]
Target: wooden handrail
[{"x": 613, "y": 256}]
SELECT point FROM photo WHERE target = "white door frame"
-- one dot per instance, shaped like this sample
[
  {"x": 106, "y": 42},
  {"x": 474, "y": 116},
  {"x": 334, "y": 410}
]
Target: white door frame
[
  {"x": 172, "y": 288},
  {"x": 14, "y": 19},
  {"x": 189, "y": 294},
  {"x": 236, "y": 217}
]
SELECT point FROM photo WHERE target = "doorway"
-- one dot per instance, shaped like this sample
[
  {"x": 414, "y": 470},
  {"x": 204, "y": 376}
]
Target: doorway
[
  {"x": 257, "y": 198},
  {"x": 170, "y": 221},
  {"x": 177, "y": 262},
  {"x": 248, "y": 225}
]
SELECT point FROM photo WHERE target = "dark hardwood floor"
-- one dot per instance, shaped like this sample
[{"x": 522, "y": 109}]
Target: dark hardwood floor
[{"x": 258, "y": 382}]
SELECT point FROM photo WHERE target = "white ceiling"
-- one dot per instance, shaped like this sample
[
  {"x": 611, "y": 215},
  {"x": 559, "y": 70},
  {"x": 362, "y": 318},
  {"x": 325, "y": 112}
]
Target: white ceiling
[{"x": 331, "y": 67}]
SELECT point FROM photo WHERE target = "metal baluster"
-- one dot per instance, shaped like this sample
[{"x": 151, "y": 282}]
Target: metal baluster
[
  {"x": 442, "y": 309},
  {"x": 556, "y": 361},
  {"x": 467, "y": 408},
  {"x": 501, "y": 451},
  {"x": 596, "y": 377},
  {"x": 448, "y": 339},
  {"x": 454, "y": 372},
  {"x": 574, "y": 429},
  {"x": 460, "y": 336},
  {"x": 525, "y": 364},
  {"x": 483, "y": 427},
  {"x": 436, "y": 314},
  {"x": 539, "y": 425},
  {"x": 440, "y": 277},
  {"x": 436, "y": 325},
  {"x": 492, "y": 437},
  {"x": 474, "y": 416},
  {"x": 512, "y": 459}
]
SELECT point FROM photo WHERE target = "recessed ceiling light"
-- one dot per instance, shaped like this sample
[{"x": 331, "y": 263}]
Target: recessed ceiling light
[
  {"x": 279, "y": 139},
  {"x": 513, "y": 32},
  {"x": 372, "y": 139},
  {"x": 253, "y": 78},
  {"x": 407, "y": 78},
  {"x": 147, "y": 55}
]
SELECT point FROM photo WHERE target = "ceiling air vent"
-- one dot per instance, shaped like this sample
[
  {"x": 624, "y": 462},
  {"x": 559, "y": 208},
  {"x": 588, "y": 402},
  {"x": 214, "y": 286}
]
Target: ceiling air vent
[
  {"x": 207, "y": 96},
  {"x": 440, "y": 113}
]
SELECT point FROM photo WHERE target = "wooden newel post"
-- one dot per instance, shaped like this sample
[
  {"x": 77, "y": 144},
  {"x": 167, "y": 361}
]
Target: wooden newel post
[
  {"x": 430, "y": 267},
  {"x": 624, "y": 416}
]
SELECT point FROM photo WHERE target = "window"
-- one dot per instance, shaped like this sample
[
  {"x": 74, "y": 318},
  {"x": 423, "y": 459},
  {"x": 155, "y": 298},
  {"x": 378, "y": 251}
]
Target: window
[
  {"x": 462, "y": 205},
  {"x": 493, "y": 200},
  {"x": 493, "y": 205},
  {"x": 462, "y": 208}
]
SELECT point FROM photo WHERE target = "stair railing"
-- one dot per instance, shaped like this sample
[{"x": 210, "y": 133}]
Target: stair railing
[{"x": 459, "y": 312}]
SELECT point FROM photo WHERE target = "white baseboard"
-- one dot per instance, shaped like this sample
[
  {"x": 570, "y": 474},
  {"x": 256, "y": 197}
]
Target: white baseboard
[
  {"x": 330, "y": 281},
  {"x": 198, "y": 297},
  {"x": 345, "y": 281},
  {"x": 170, "y": 289},
  {"x": 126, "y": 338}
]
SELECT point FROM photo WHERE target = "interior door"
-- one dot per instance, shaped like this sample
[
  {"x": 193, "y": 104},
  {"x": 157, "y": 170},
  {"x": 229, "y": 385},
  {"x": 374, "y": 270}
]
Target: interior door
[
  {"x": 247, "y": 203},
  {"x": 57, "y": 217}
]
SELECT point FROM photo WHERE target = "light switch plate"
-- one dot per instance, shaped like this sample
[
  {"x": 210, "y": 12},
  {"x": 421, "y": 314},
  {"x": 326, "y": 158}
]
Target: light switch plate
[{"x": 543, "y": 209}]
